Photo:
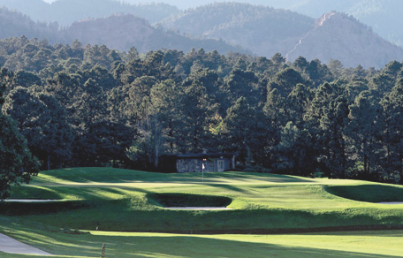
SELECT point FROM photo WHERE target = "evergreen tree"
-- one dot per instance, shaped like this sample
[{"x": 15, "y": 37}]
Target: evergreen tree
[
  {"x": 364, "y": 130},
  {"x": 294, "y": 153},
  {"x": 42, "y": 121},
  {"x": 326, "y": 121},
  {"x": 393, "y": 117},
  {"x": 245, "y": 132},
  {"x": 16, "y": 162}
]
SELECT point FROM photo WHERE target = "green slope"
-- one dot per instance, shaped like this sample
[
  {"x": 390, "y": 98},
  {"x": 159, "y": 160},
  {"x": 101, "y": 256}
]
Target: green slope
[{"x": 95, "y": 205}]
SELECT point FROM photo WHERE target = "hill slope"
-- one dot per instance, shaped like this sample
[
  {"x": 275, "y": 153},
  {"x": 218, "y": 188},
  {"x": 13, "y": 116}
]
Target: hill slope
[
  {"x": 259, "y": 30},
  {"x": 17, "y": 24},
  {"x": 119, "y": 32},
  {"x": 384, "y": 16},
  {"x": 338, "y": 36},
  {"x": 266, "y": 31},
  {"x": 65, "y": 12},
  {"x": 263, "y": 30},
  {"x": 124, "y": 31}
]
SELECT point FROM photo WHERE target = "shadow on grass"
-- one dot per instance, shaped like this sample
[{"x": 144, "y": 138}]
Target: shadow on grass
[
  {"x": 34, "y": 192},
  {"x": 188, "y": 200},
  {"x": 121, "y": 215},
  {"x": 199, "y": 247},
  {"x": 264, "y": 177},
  {"x": 61, "y": 243},
  {"x": 229, "y": 187},
  {"x": 100, "y": 175},
  {"x": 23, "y": 209}
]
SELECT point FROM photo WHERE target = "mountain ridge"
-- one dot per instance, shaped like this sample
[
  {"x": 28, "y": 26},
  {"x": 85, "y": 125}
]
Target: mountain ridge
[
  {"x": 65, "y": 12},
  {"x": 121, "y": 32},
  {"x": 271, "y": 34},
  {"x": 225, "y": 27},
  {"x": 342, "y": 37},
  {"x": 263, "y": 30}
]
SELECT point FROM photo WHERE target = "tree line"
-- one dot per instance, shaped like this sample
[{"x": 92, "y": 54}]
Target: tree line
[{"x": 92, "y": 106}]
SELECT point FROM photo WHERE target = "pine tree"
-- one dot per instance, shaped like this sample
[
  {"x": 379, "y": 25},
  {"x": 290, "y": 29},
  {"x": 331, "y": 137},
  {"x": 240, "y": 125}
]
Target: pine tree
[{"x": 16, "y": 162}]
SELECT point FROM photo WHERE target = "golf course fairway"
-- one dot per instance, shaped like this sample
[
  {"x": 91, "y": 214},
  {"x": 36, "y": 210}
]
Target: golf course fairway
[{"x": 260, "y": 215}]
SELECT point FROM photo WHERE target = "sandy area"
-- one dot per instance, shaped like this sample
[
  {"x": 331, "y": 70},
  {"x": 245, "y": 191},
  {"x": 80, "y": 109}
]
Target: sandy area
[
  {"x": 31, "y": 200},
  {"x": 198, "y": 208}
]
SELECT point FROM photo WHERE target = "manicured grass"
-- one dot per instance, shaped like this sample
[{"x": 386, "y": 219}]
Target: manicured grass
[
  {"x": 88, "y": 244},
  {"x": 124, "y": 200},
  {"x": 132, "y": 201}
]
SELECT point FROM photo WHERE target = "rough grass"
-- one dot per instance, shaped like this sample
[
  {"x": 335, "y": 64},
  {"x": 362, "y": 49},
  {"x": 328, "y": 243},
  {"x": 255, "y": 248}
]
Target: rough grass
[{"x": 132, "y": 201}]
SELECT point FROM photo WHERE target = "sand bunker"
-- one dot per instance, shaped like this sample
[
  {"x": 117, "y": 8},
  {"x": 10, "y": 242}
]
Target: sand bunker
[
  {"x": 31, "y": 200},
  {"x": 198, "y": 208}
]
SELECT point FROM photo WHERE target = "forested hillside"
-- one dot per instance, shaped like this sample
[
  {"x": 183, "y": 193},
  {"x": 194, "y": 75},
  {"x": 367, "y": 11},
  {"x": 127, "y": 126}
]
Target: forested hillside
[
  {"x": 93, "y": 106},
  {"x": 16, "y": 24},
  {"x": 263, "y": 30},
  {"x": 384, "y": 16},
  {"x": 116, "y": 31},
  {"x": 237, "y": 27},
  {"x": 65, "y": 12},
  {"x": 266, "y": 30},
  {"x": 342, "y": 37},
  {"x": 124, "y": 31}
]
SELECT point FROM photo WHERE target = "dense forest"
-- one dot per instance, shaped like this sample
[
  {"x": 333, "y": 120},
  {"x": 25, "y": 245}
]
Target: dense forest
[{"x": 93, "y": 106}]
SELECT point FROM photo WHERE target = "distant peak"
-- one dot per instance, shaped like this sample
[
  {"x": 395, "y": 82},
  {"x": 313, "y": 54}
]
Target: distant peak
[{"x": 324, "y": 18}]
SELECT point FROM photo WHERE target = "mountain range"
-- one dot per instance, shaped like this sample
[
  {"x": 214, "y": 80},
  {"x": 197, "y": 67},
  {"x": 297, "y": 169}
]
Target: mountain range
[
  {"x": 65, "y": 12},
  {"x": 265, "y": 31},
  {"x": 119, "y": 32},
  {"x": 236, "y": 27},
  {"x": 384, "y": 16}
]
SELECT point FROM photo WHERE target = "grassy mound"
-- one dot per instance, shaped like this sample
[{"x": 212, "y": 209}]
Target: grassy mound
[
  {"x": 124, "y": 200},
  {"x": 368, "y": 193},
  {"x": 189, "y": 200}
]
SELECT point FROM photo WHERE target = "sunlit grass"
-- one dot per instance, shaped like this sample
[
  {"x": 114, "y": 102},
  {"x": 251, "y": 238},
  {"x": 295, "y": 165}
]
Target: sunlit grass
[
  {"x": 121, "y": 201},
  {"x": 126, "y": 244}
]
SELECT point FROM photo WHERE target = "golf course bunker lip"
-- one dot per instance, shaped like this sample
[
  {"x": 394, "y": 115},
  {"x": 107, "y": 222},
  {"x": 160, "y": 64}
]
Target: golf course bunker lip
[
  {"x": 32, "y": 200},
  {"x": 189, "y": 201},
  {"x": 199, "y": 208}
]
